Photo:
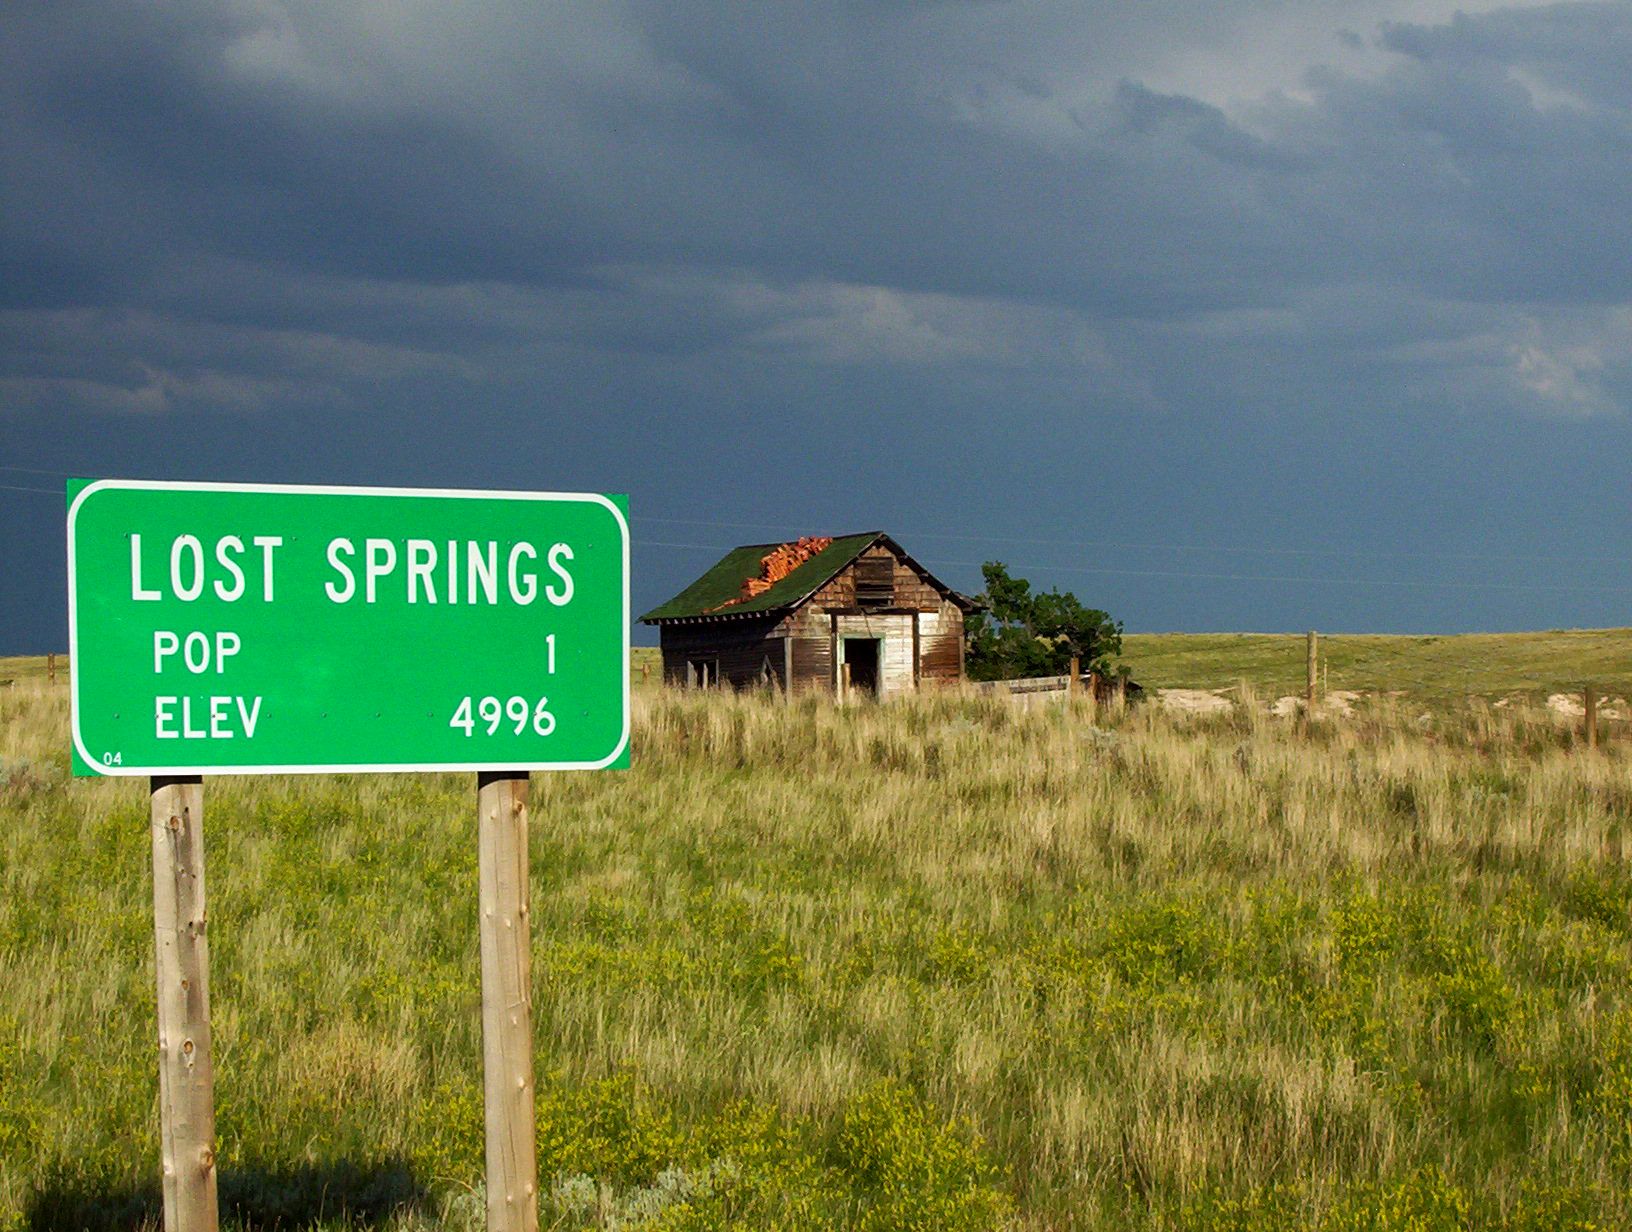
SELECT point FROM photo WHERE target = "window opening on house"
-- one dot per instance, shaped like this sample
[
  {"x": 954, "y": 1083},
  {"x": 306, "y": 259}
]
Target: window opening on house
[{"x": 875, "y": 581}]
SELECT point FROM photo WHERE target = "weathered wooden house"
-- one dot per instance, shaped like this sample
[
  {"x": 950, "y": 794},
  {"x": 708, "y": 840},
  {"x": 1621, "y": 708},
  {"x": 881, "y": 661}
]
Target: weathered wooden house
[{"x": 817, "y": 613}]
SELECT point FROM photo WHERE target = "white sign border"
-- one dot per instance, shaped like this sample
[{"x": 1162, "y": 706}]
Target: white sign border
[{"x": 163, "y": 485}]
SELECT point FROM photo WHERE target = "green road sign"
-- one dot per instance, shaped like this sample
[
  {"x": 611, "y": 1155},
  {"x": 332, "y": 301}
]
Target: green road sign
[{"x": 257, "y": 628}]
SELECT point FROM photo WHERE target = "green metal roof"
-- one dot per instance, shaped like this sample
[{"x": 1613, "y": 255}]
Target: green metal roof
[{"x": 724, "y": 581}]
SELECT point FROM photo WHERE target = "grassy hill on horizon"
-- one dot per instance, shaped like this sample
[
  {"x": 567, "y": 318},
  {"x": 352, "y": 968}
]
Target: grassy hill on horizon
[{"x": 1422, "y": 665}]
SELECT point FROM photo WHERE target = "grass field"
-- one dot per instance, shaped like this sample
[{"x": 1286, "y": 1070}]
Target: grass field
[
  {"x": 1485, "y": 665},
  {"x": 939, "y": 964}
]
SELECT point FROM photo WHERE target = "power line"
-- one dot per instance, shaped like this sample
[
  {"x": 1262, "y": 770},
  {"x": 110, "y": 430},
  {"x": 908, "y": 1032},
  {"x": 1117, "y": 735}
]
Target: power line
[
  {"x": 1154, "y": 573},
  {"x": 1327, "y": 581},
  {"x": 1130, "y": 545},
  {"x": 1283, "y": 579},
  {"x": 1220, "y": 577},
  {"x": 1175, "y": 547},
  {"x": 1133, "y": 546},
  {"x": 30, "y": 470}
]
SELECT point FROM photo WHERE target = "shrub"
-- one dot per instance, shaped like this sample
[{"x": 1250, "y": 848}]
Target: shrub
[{"x": 913, "y": 1172}]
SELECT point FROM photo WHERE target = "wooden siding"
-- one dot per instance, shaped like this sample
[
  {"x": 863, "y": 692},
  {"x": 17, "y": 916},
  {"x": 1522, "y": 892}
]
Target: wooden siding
[
  {"x": 812, "y": 649},
  {"x": 741, "y": 649},
  {"x": 940, "y": 638},
  {"x": 912, "y": 590}
]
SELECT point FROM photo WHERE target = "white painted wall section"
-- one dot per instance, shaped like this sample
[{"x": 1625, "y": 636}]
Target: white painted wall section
[{"x": 895, "y": 663}]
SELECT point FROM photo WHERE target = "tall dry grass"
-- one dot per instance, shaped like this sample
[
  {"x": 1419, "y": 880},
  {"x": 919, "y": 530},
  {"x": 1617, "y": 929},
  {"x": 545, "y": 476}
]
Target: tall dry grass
[{"x": 937, "y": 963}]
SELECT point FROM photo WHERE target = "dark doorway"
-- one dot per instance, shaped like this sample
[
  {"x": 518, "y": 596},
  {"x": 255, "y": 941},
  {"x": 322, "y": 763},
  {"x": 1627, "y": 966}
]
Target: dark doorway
[
  {"x": 861, "y": 657},
  {"x": 702, "y": 673}
]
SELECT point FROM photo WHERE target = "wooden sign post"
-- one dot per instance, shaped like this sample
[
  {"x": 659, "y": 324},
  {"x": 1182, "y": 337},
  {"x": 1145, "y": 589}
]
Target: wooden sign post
[
  {"x": 270, "y": 629},
  {"x": 186, "y": 1071},
  {"x": 507, "y": 1001}
]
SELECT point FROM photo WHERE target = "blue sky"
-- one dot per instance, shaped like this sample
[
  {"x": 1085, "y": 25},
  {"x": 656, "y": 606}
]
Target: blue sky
[{"x": 1223, "y": 315}]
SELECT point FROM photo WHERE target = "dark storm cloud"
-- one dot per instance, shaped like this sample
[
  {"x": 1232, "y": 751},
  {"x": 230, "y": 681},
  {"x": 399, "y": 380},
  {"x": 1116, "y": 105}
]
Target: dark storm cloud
[
  {"x": 136, "y": 123},
  {"x": 1577, "y": 49},
  {"x": 967, "y": 228},
  {"x": 887, "y": 149},
  {"x": 1451, "y": 176}
]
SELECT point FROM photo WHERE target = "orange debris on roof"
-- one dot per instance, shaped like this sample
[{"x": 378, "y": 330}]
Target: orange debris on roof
[{"x": 777, "y": 564}]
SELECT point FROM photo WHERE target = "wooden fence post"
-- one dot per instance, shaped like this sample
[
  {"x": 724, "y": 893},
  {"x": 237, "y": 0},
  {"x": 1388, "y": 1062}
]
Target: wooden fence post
[
  {"x": 1309, "y": 684},
  {"x": 507, "y": 1001},
  {"x": 51, "y": 668},
  {"x": 182, "y": 963},
  {"x": 1589, "y": 703},
  {"x": 1071, "y": 680},
  {"x": 844, "y": 682}
]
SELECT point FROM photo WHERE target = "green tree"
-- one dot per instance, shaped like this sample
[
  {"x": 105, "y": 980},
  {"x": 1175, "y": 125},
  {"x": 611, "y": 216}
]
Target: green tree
[{"x": 1025, "y": 634}]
